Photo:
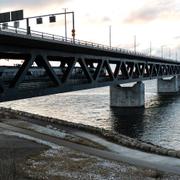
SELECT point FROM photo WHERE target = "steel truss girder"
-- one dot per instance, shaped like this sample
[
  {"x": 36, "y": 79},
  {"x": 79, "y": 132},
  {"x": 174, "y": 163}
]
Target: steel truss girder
[{"x": 95, "y": 72}]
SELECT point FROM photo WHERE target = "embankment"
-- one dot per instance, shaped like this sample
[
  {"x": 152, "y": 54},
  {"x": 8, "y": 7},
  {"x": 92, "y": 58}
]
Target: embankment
[{"x": 109, "y": 135}]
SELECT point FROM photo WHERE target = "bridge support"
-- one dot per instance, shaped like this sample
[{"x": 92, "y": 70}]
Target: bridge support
[
  {"x": 168, "y": 85},
  {"x": 127, "y": 96}
]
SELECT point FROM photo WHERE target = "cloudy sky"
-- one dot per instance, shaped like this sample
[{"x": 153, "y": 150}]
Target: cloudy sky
[{"x": 155, "y": 21}]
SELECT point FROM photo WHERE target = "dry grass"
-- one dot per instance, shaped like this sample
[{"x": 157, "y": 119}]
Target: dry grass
[
  {"x": 8, "y": 166},
  {"x": 67, "y": 164}
]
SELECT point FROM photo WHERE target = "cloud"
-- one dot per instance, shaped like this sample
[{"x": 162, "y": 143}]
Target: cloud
[
  {"x": 9, "y": 3},
  {"x": 31, "y": 5},
  {"x": 153, "y": 10}
]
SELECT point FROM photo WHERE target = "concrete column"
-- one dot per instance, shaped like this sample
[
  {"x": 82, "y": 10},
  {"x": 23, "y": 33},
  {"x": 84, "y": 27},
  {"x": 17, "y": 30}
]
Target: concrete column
[
  {"x": 127, "y": 96},
  {"x": 169, "y": 85}
]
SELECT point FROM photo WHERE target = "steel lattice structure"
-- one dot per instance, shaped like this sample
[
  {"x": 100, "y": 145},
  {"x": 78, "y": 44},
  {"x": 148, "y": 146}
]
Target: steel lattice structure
[{"x": 80, "y": 66}]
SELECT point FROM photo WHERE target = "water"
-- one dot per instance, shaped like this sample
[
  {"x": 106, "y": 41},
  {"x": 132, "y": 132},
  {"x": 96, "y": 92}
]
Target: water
[{"x": 158, "y": 123}]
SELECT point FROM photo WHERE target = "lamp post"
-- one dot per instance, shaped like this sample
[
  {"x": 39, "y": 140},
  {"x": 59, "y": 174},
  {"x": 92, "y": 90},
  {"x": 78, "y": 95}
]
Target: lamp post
[
  {"x": 150, "y": 48},
  {"x": 73, "y": 27},
  {"x": 162, "y": 51},
  {"x": 169, "y": 52},
  {"x": 110, "y": 36},
  {"x": 135, "y": 44},
  {"x": 65, "y": 22}
]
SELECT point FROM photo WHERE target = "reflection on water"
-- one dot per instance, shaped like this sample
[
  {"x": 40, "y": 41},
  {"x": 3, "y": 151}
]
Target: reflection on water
[
  {"x": 158, "y": 122},
  {"x": 128, "y": 121}
]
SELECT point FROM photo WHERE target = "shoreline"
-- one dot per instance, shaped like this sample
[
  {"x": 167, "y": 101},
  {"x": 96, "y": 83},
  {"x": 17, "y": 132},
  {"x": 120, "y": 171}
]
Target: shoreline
[{"x": 109, "y": 135}]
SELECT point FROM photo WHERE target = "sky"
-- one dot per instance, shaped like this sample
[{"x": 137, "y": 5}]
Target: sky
[{"x": 155, "y": 21}]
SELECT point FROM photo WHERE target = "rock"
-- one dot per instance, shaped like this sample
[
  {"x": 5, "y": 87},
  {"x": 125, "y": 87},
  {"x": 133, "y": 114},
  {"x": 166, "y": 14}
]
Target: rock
[
  {"x": 146, "y": 148},
  {"x": 164, "y": 151},
  {"x": 178, "y": 154},
  {"x": 172, "y": 153}
]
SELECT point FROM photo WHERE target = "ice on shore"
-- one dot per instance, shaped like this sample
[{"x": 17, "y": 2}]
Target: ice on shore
[
  {"x": 27, "y": 137},
  {"x": 38, "y": 128}
]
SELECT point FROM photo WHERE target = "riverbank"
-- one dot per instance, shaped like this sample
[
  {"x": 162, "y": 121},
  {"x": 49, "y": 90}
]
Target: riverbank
[
  {"x": 60, "y": 162},
  {"x": 109, "y": 135},
  {"x": 29, "y": 160}
]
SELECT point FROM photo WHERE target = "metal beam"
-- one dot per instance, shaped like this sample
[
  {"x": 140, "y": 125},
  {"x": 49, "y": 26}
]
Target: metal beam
[
  {"x": 94, "y": 65},
  {"x": 22, "y": 72},
  {"x": 44, "y": 62},
  {"x": 85, "y": 69},
  {"x": 98, "y": 70},
  {"x": 68, "y": 72}
]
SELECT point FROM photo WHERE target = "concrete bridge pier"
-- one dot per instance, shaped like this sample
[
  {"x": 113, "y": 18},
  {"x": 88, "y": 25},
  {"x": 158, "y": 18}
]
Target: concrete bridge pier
[
  {"x": 127, "y": 96},
  {"x": 170, "y": 85}
]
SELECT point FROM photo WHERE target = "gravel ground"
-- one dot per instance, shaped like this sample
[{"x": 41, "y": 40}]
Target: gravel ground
[
  {"x": 14, "y": 152},
  {"x": 63, "y": 163},
  {"x": 22, "y": 159}
]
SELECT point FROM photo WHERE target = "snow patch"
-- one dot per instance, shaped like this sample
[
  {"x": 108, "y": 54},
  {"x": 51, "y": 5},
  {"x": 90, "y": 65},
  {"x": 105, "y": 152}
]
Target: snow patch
[
  {"x": 51, "y": 152},
  {"x": 112, "y": 165},
  {"x": 24, "y": 136},
  {"x": 40, "y": 129}
]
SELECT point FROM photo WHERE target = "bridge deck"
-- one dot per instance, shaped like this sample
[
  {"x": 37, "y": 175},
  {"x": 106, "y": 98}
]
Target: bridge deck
[
  {"x": 81, "y": 65},
  {"x": 39, "y": 40}
]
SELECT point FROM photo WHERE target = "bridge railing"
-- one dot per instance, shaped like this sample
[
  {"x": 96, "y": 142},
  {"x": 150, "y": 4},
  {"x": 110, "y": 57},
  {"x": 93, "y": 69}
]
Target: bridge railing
[{"x": 48, "y": 36}]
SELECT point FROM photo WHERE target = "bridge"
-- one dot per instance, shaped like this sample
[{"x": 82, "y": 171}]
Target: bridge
[{"x": 64, "y": 65}]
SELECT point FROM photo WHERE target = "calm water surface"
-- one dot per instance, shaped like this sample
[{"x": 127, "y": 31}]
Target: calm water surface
[{"x": 158, "y": 123}]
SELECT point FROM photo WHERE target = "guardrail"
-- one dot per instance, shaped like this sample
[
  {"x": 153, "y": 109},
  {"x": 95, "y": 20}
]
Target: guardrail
[{"x": 54, "y": 37}]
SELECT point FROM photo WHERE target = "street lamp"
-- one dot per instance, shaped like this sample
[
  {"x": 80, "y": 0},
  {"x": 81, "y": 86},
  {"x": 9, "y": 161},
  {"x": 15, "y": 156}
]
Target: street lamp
[
  {"x": 169, "y": 52},
  {"x": 73, "y": 26},
  {"x": 65, "y": 22},
  {"x": 135, "y": 44},
  {"x": 162, "y": 51},
  {"x": 150, "y": 48},
  {"x": 110, "y": 36},
  {"x": 176, "y": 54}
]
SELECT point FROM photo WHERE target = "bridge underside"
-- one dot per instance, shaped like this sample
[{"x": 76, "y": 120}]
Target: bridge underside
[
  {"x": 70, "y": 72},
  {"x": 48, "y": 67}
]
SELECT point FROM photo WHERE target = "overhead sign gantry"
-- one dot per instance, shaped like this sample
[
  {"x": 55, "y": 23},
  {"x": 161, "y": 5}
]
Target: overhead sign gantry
[{"x": 16, "y": 16}]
